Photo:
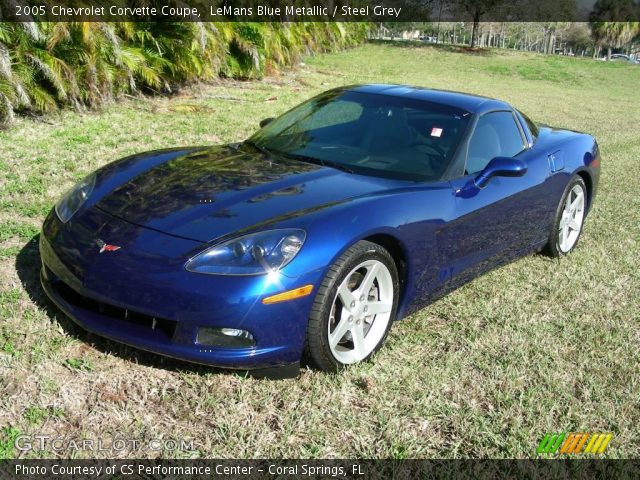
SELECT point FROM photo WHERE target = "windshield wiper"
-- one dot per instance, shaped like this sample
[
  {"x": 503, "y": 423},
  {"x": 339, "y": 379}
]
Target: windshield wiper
[
  {"x": 296, "y": 156},
  {"x": 318, "y": 161},
  {"x": 259, "y": 147}
]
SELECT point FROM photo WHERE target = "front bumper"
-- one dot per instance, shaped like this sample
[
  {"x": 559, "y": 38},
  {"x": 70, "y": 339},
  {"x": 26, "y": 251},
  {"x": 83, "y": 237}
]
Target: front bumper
[{"x": 130, "y": 298}]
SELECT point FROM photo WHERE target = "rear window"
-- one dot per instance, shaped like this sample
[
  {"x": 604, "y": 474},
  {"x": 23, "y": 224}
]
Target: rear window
[{"x": 533, "y": 128}]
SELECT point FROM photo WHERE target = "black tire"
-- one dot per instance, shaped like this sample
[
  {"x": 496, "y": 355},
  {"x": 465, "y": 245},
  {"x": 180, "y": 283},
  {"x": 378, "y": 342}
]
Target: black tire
[
  {"x": 317, "y": 347},
  {"x": 552, "y": 248}
]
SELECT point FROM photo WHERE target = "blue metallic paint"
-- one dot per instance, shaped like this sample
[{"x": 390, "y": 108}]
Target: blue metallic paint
[
  {"x": 501, "y": 167},
  {"x": 164, "y": 207}
]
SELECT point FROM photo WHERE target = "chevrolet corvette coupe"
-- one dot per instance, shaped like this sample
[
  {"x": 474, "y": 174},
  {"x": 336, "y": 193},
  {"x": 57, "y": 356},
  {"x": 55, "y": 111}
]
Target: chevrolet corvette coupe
[{"x": 309, "y": 239}]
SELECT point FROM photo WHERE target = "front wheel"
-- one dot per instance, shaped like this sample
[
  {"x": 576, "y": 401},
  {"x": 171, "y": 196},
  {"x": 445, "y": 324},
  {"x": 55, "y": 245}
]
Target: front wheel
[
  {"x": 354, "y": 308},
  {"x": 569, "y": 219}
]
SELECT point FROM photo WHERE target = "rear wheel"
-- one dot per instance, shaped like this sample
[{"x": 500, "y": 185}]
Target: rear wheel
[
  {"x": 354, "y": 308},
  {"x": 569, "y": 219}
]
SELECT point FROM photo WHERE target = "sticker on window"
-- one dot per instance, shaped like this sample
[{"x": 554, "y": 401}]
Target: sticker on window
[{"x": 436, "y": 132}]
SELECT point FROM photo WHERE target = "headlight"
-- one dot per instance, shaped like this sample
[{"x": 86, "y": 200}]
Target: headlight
[
  {"x": 252, "y": 254},
  {"x": 71, "y": 201}
]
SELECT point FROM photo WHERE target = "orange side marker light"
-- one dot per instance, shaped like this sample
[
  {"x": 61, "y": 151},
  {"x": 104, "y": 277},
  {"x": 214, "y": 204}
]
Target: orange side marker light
[{"x": 288, "y": 295}]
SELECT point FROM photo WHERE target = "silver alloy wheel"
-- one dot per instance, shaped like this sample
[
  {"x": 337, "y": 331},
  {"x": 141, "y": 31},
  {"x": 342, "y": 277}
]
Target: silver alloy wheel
[
  {"x": 572, "y": 217},
  {"x": 360, "y": 312}
]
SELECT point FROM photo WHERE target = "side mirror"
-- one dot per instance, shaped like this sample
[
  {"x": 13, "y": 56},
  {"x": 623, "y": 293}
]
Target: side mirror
[
  {"x": 266, "y": 121},
  {"x": 501, "y": 167}
]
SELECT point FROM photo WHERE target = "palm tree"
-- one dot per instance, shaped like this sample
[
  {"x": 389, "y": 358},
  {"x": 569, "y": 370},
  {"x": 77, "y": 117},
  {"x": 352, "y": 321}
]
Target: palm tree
[
  {"x": 607, "y": 28},
  {"x": 44, "y": 66},
  {"x": 614, "y": 34}
]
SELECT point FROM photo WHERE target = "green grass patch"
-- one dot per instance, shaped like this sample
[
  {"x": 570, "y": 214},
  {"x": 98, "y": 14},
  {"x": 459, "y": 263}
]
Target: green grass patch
[
  {"x": 14, "y": 228},
  {"x": 8, "y": 437},
  {"x": 78, "y": 364},
  {"x": 538, "y": 346}
]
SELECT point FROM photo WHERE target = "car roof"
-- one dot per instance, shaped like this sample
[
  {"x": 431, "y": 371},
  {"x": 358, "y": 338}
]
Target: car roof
[{"x": 464, "y": 101}]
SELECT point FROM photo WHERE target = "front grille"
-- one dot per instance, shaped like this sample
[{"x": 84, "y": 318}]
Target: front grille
[{"x": 69, "y": 295}]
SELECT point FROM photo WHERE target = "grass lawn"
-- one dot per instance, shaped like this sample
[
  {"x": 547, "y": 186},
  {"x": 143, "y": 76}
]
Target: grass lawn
[{"x": 538, "y": 346}]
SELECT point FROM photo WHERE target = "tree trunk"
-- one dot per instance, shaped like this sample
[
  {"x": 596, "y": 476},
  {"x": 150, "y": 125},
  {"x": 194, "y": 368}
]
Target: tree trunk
[
  {"x": 608, "y": 53},
  {"x": 549, "y": 44},
  {"x": 474, "y": 30}
]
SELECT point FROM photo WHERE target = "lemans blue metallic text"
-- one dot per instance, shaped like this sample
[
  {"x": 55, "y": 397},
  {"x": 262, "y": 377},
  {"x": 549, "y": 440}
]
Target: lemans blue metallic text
[{"x": 310, "y": 238}]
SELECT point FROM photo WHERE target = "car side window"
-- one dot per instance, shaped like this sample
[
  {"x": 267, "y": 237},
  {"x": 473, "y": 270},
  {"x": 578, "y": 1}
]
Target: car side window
[{"x": 496, "y": 135}]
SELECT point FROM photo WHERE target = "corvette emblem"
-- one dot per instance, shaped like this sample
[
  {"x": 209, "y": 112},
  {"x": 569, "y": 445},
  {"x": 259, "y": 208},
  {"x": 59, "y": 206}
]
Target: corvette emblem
[{"x": 105, "y": 247}]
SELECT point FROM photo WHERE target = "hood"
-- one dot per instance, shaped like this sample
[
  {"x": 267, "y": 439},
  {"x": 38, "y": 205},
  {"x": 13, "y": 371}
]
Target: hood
[{"x": 209, "y": 193}]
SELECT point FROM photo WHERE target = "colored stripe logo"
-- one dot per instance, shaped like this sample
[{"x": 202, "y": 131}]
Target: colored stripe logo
[{"x": 573, "y": 443}]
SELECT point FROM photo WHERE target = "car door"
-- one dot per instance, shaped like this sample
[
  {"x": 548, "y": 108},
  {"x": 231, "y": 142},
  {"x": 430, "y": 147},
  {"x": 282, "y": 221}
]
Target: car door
[{"x": 498, "y": 221}]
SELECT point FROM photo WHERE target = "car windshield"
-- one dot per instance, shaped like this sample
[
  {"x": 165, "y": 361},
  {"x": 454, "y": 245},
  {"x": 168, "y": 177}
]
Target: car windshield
[{"x": 369, "y": 134}]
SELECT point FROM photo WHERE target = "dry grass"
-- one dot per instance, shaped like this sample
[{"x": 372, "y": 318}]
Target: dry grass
[{"x": 538, "y": 346}]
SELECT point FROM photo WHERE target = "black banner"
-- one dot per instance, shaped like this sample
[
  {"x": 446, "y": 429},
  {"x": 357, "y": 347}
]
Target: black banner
[
  {"x": 316, "y": 469},
  {"x": 319, "y": 10}
]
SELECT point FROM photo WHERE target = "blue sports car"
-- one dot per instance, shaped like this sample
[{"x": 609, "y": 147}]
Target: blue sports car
[{"x": 309, "y": 239}]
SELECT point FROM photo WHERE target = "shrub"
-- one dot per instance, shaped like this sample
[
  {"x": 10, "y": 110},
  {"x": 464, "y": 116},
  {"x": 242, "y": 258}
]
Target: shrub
[{"x": 45, "y": 66}]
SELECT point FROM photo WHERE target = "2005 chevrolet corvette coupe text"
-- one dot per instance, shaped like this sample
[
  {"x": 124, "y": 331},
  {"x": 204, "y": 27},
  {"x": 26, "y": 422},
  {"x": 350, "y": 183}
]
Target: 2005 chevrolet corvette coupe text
[{"x": 310, "y": 238}]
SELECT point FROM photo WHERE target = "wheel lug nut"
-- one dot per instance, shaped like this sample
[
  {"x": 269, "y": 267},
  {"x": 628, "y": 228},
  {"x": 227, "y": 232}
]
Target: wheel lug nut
[
  {"x": 350, "y": 319},
  {"x": 362, "y": 298},
  {"x": 366, "y": 309},
  {"x": 353, "y": 303}
]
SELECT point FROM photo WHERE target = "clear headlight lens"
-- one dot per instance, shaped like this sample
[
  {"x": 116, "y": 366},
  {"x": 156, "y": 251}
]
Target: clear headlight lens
[
  {"x": 71, "y": 201},
  {"x": 252, "y": 254}
]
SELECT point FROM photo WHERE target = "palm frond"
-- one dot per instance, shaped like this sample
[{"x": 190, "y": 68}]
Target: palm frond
[{"x": 86, "y": 64}]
